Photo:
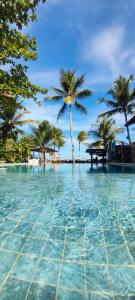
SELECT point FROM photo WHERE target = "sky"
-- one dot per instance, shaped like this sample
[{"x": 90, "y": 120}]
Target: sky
[{"x": 95, "y": 37}]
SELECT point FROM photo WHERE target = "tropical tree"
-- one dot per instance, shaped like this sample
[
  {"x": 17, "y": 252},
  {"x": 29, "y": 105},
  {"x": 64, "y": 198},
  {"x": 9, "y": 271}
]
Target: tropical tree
[
  {"x": 57, "y": 137},
  {"x": 11, "y": 119},
  {"x": 16, "y": 44},
  {"x": 70, "y": 92},
  {"x": 42, "y": 136},
  {"x": 123, "y": 99},
  {"x": 82, "y": 137},
  {"x": 104, "y": 131}
]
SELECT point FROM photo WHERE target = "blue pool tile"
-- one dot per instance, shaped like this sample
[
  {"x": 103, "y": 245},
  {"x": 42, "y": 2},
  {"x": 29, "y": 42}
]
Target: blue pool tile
[
  {"x": 119, "y": 255},
  {"x": 132, "y": 251},
  {"x": 14, "y": 290},
  {"x": 98, "y": 279},
  {"x": 126, "y": 222},
  {"x": 47, "y": 272},
  {"x": 76, "y": 222},
  {"x": 25, "y": 267},
  {"x": 96, "y": 254},
  {"x": 72, "y": 276},
  {"x": 75, "y": 251},
  {"x": 3, "y": 237},
  {"x": 75, "y": 234},
  {"x": 130, "y": 236},
  {"x": 53, "y": 249},
  {"x": 124, "y": 297},
  {"x": 102, "y": 296},
  {"x": 14, "y": 243},
  {"x": 37, "y": 209},
  {"x": 16, "y": 216},
  {"x": 8, "y": 225},
  {"x": 94, "y": 224},
  {"x": 113, "y": 237},
  {"x": 123, "y": 280},
  {"x": 69, "y": 295},
  {"x": 31, "y": 217},
  {"x": 40, "y": 231},
  {"x": 44, "y": 219},
  {"x": 33, "y": 247},
  {"x": 95, "y": 236},
  {"x": 41, "y": 292},
  {"x": 6, "y": 262},
  {"x": 57, "y": 233},
  {"x": 109, "y": 223},
  {"x": 23, "y": 228}
]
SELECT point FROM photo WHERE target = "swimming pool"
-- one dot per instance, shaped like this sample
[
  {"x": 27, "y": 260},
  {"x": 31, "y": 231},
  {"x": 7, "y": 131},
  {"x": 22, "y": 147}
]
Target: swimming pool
[{"x": 67, "y": 233}]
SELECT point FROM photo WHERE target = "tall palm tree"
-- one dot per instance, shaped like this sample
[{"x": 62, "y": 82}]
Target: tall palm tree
[
  {"x": 105, "y": 131},
  {"x": 11, "y": 119},
  {"x": 82, "y": 137},
  {"x": 123, "y": 99},
  {"x": 70, "y": 92},
  {"x": 42, "y": 137}
]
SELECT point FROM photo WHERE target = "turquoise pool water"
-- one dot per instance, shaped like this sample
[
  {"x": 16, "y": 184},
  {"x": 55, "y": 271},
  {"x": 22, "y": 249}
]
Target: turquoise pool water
[{"x": 67, "y": 233}]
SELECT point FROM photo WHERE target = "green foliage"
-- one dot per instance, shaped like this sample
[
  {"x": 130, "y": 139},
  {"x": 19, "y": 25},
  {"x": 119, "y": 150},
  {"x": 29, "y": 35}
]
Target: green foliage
[
  {"x": 16, "y": 83},
  {"x": 70, "y": 91},
  {"x": 123, "y": 99},
  {"x": 58, "y": 138},
  {"x": 11, "y": 119},
  {"x": 14, "y": 15},
  {"x": 104, "y": 132},
  {"x": 82, "y": 136},
  {"x": 42, "y": 134},
  {"x": 16, "y": 151}
]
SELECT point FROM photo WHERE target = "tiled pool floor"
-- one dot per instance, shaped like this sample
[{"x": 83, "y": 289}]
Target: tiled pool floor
[{"x": 77, "y": 245}]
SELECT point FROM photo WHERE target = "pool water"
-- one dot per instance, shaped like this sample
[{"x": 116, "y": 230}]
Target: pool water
[{"x": 67, "y": 233}]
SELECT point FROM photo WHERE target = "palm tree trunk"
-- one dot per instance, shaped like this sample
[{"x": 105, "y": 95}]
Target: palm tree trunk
[
  {"x": 128, "y": 132},
  {"x": 71, "y": 134}
]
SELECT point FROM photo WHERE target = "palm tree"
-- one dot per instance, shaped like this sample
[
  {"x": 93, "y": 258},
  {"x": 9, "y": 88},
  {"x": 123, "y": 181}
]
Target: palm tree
[
  {"x": 42, "y": 137},
  {"x": 70, "y": 92},
  {"x": 11, "y": 119},
  {"x": 105, "y": 131},
  {"x": 123, "y": 99},
  {"x": 82, "y": 137},
  {"x": 57, "y": 137}
]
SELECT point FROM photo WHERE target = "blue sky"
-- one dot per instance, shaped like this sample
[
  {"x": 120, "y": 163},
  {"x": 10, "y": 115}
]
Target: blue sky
[{"x": 95, "y": 37}]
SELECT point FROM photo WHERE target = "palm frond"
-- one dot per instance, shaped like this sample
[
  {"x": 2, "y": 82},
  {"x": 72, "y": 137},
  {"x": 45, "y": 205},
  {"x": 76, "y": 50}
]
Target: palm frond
[
  {"x": 23, "y": 122},
  {"x": 96, "y": 144},
  {"x": 53, "y": 98},
  {"x": 62, "y": 111},
  {"x": 110, "y": 112},
  {"x": 84, "y": 94},
  {"x": 59, "y": 92},
  {"x": 79, "y": 82},
  {"x": 80, "y": 107}
]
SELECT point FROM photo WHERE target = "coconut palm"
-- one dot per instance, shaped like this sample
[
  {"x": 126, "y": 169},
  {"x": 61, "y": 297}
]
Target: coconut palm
[
  {"x": 82, "y": 137},
  {"x": 104, "y": 131},
  {"x": 11, "y": 119},
  {"x": 57, "y": 137},
  {"x": 42, "y": 137},
  {"x": 123, "y": 99},
  {"x": 70, "y": 92}
]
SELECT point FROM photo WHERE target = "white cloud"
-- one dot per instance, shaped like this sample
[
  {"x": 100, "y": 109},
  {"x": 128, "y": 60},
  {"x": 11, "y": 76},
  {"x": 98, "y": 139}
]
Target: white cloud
[{"x": 108, "y": 49}]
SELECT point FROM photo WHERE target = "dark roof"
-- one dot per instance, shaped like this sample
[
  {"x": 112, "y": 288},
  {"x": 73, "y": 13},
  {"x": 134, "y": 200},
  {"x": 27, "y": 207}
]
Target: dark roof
[
  {"x": 131, "y": 121},
  {"x": 101, "y": 152},
  {"x": 44, "y": 150}
]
